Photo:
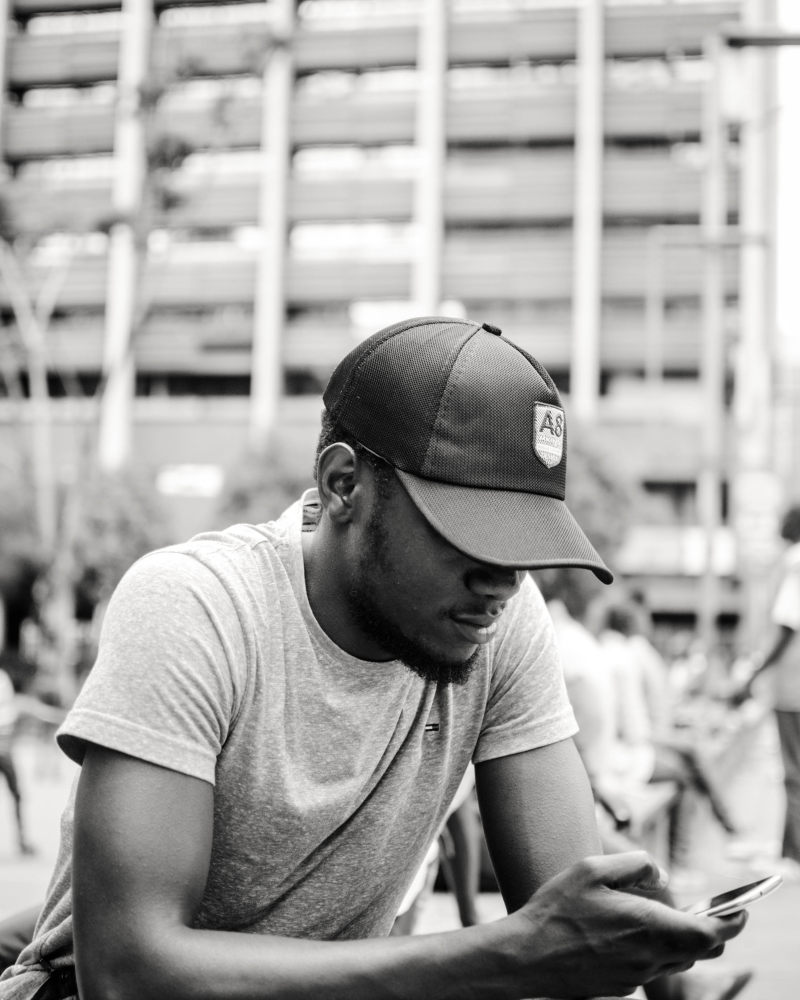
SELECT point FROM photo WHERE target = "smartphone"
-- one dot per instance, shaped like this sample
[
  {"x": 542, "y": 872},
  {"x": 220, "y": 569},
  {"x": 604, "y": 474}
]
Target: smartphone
[{"x": 734, "y": 899}]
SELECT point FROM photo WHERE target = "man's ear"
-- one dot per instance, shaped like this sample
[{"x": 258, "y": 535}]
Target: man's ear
[{"x": 338, "y": 470}]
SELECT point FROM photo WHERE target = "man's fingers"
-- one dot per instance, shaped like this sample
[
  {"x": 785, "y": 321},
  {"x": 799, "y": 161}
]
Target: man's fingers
[
  {"x": 729, "y": 926},
  {"x": 676, "y": 967},
  {"x": 630, "y": 870}
]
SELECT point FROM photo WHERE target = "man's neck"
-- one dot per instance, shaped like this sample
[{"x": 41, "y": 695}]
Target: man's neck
[{"x": 327, "y": 598}]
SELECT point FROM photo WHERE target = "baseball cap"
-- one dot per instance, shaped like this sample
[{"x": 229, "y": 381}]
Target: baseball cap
[{"x": 475, "y": 430}]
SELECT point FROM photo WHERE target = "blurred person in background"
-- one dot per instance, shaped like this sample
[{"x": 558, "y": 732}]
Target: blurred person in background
[
  {"x": 9, "y": 720},
  {"x": 781, "y": 663},
  {"x": 14, "y": 707},
  {"x": 460, "y": 851},
  {"x": 456, "y": 853},
  {"x": 280, "y": 715},
  {"x": 656, "y": 749},
  {"x": 591, "y": 688},
  {"x": 17, "y": 929}
]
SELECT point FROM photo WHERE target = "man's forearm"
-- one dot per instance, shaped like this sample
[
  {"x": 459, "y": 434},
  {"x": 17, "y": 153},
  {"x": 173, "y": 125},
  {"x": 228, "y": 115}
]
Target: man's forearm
[
  {"x": 189, "y": 964},
  {"x": 591, "y": 930},
  {"x": 538, "y": 817}
]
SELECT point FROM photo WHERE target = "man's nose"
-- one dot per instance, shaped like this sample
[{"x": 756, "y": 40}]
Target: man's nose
[{"x": 498, "y": 582}]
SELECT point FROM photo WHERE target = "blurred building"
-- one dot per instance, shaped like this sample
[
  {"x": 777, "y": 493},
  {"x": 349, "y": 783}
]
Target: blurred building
[{"x": 212, "y": 202}]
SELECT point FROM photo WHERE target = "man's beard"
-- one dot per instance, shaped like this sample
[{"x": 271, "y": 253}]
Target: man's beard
[{"x": 373, "y": 622}]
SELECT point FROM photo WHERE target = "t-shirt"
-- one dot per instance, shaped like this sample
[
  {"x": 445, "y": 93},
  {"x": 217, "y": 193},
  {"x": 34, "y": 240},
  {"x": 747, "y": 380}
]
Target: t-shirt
[
  {"x": 786, "y": 611},
  {"x": 331, "y": 774}
]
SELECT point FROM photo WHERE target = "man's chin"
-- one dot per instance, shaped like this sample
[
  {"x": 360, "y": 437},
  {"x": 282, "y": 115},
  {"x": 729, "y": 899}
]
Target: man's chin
[
  {"x": 443, "y": 672},
  {"x": 426, "y": 663}
]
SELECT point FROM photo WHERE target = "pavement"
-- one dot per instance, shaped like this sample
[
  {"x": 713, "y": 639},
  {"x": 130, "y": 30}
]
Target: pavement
[{"x": 769, "y": 945}]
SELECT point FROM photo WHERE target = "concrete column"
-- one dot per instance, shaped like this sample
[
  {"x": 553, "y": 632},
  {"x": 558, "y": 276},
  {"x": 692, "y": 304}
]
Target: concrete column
[
  {"x": 787, "y": 253},
  {"x": 127, "y": 239},
  {"x": 755, "y": 488},
  {"x": 31, "y": 333},
  {"x": 269, "y": 318},
  {"x": 712, "y": 367},
  {"x": 431, "y": 138},
  {"x": 588, "y": 214}
]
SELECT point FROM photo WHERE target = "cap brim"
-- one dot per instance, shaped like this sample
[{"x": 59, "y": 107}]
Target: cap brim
[{"x": 505, "y": 528}]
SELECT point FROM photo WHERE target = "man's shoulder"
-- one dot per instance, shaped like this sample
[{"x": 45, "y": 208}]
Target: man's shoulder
[
  {"x": 238, "y": 567},
  {"x": 237, "y": 541},
  {"x": 237, "y": 547}
]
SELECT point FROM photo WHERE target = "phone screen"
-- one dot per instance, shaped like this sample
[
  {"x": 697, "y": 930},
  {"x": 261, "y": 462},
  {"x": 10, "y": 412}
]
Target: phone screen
[{"x": 735, "y": 899}]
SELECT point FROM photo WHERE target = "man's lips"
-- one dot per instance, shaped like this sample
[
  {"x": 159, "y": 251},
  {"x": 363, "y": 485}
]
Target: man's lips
[{"x": 476, "y": 629}]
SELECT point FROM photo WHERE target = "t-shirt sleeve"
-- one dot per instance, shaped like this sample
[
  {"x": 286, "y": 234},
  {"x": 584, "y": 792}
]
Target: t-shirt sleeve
[
  {"x": 528, "y": 706},
  {"x": 169, "y": 672}
]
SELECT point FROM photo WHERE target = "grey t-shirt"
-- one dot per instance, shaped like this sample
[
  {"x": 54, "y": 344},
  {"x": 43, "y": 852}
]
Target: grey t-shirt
[{"x": 332, "y": 774}]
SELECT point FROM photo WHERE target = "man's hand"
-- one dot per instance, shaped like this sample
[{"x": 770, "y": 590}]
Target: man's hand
[{"x": 594, "y": 930}]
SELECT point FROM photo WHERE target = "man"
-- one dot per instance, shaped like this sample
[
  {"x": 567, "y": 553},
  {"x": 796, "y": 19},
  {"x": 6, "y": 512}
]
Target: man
[
  {"x": 782, "y": 659},
  {"x": 661, "y": 754},
  {"x": 279, "y": 717}
]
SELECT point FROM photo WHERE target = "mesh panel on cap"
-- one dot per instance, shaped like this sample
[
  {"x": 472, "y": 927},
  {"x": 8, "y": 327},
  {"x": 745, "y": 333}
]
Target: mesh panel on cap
[
  {"x": 391, "y": 395},
  {"x": 344, "y": 379},
  {"x": 410, "y": 373},
  {"x": 485, "y": 428}
]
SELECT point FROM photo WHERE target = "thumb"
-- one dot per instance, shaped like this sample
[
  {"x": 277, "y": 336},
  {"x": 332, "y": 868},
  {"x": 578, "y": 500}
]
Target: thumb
[{"x": 631, "y": 870}]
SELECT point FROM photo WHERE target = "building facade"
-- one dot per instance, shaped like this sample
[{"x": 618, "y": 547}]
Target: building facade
[{"x": 209, "y": 203}]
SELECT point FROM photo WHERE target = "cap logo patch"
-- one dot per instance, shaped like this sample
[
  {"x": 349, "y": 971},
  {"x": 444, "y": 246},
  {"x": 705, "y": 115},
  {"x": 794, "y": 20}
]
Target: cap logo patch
[{"x": 548, "y": 439}]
